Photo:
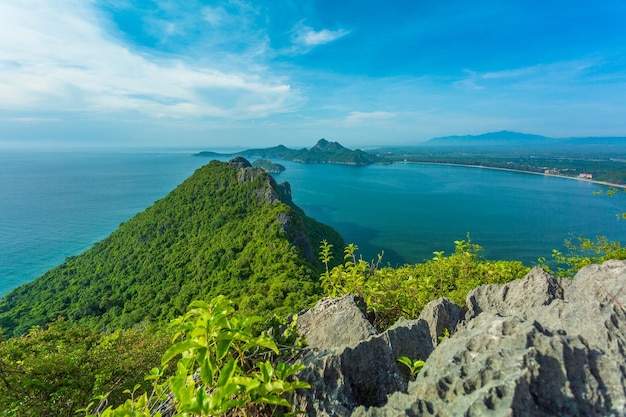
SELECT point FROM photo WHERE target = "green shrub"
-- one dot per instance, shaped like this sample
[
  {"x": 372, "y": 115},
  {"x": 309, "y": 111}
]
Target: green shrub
[
  {"x": 392, "y": 293},
  {"x": 55, "y": 371},
  {"x": 581, "y": 252},
  {"x": 222, "y": 367}
]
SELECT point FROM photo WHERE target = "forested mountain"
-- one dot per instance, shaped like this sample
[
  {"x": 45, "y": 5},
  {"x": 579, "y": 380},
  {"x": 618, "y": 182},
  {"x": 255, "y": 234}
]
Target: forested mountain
[
  {"x": 323, "y": 152},
  {"x": 229, "y": 229}
]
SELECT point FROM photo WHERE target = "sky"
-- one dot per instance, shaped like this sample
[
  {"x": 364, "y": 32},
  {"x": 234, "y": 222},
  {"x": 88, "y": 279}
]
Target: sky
[{"x": 211, "y": 74}]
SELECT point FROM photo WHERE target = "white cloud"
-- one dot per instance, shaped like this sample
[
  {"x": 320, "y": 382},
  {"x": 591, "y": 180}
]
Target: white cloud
[
  {"x": 357, "y": 117},
  {"x": 555, "y": 75},
  {"x": 305, "y": 38},
  {"x": 309, "y": 37},
  {"x": 58, "y": 56},
  {"x": 215, "y": 15}
]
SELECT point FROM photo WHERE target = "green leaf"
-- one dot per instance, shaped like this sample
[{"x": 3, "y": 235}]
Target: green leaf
[
  {"x": 284, "y": 371},
  {"x": 200, "y": 304},
  {"x": 250, "y": 384},
  {"x": 263, "y": 341},
  {"x": 405, "y": 360},
  {"x": 223, "y": 348},
  {"x": 267, "y": 371},
  {"x": 274, "y": 400},
  {"x": 300, "y": 385},
  {"x": 178, "y": 348},
  {"x": 274, "y": 386},
  {"x": 206, "y": 372},
  {"x": 227, "y": 372}
]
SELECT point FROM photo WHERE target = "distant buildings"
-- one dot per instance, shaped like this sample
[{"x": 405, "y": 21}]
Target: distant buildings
[
  {"x": 552, "y": 171},
  {"x": 582, "y": 175}
]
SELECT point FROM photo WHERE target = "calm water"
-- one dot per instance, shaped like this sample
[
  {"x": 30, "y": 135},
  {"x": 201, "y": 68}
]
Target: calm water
[{"x": 55, "y": 205}]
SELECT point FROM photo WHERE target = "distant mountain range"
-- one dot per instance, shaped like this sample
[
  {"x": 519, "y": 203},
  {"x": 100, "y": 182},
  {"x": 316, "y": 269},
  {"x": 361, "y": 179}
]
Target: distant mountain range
[
  {"x": 514, "y": 139},
  {"x": 323, "y": 152}
]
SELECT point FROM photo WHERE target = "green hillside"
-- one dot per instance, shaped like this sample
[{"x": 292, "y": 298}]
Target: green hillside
[
  {"x": 229, "y": 229},
  {"x": 268, "y": 166}
]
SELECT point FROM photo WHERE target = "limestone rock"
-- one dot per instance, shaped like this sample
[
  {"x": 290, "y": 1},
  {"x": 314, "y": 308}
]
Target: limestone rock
[
  {"x": 534, "y": 347},
  {"x": 441, "y": 314},
  {"x": 335, "y": 323},
  {"x": 506, "y": 366},
  {"x": 349, "y": 365},
  {"x": 516, "y": 298}
]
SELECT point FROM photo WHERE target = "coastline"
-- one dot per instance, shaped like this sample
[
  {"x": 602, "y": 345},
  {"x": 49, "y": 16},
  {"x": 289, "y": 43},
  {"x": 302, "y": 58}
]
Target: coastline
[{"x": 608, "y": 184}]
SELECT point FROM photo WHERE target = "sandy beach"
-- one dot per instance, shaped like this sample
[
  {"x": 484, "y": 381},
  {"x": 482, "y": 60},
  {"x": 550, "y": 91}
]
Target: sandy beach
[{"x": 609, "y": 184}]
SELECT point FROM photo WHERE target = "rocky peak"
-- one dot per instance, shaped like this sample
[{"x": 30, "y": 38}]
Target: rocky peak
[
  {"x": 326, "y": 146},
  {"x": 239, "y": 162}
]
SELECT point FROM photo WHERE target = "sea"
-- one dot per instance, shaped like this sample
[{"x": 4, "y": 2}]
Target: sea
[{"x": 58, "y": 204}]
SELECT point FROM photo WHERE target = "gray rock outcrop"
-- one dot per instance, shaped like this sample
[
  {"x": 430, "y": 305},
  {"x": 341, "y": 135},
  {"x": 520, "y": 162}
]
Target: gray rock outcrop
[
  {"x": 539, "y": 346},
  {"x": 349, "y": 364}
]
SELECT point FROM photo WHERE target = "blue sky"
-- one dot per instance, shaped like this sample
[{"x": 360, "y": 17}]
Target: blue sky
[{"x": 207, "y": 74}]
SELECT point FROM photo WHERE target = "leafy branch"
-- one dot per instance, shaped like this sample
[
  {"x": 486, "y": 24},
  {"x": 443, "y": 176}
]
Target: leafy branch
[{"x": 216, "y": 352}]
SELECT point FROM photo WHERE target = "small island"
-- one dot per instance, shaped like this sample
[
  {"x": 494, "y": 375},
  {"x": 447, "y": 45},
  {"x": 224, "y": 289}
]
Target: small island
[{"x": 268, "y": 166}]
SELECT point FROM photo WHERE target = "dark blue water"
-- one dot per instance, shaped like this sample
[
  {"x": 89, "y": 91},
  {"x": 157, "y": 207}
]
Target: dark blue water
[
  {"x": 411, "y": 210},
  {"x": 55, "y": 205}
]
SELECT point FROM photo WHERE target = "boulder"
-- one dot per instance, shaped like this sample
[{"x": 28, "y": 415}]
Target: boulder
[
  {"x": 442, "y": 314},
  {"x": 517, "y": 298},
  {"x": 335, "y": 323},
  {"x": 349, "y": 364}
]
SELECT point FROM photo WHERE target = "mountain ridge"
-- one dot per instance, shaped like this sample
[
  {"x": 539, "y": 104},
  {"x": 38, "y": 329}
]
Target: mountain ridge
[
  {"x": 507, "y": 137},
  {"x": 323, "y": 152},
  {"x": 228, "y": 229}
]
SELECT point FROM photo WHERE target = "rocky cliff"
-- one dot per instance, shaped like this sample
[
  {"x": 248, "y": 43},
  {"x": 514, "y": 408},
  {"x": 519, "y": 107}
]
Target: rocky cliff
[{"x": 540, "y": 346}]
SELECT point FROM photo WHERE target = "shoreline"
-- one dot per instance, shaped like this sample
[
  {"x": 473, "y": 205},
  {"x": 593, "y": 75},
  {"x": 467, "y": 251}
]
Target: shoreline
[{"x": 608, "y": 184}]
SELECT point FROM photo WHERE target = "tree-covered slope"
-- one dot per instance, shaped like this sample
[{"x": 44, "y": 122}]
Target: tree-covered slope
[
  {"x": 268, "y": 166},
  {"x": 229, "y": 229}
]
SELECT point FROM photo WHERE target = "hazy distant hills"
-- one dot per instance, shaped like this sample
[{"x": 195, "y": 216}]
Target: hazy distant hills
[
  {"x": 503, "y": 137},
  {"x": 517, "y": 139},
  {"x": 324, "y": 152}
]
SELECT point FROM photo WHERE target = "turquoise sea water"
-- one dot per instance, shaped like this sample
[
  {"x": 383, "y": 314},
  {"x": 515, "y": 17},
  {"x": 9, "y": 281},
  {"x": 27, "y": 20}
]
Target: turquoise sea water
[{"x": 55, "y": 205}]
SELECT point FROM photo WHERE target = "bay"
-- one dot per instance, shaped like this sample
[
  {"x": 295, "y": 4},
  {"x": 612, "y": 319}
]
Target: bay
[
  {"x": 411, "y": 210},
  {"x": 59, "y": 204}
]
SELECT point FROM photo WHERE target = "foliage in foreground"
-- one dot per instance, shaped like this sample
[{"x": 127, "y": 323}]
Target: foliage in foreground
[
  {"x": 55, "y": 371},
  {"x": 403, "y": 292},
  {"x": 581, "y": 252},
  {"x": 223, "y": 369}
]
